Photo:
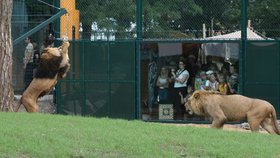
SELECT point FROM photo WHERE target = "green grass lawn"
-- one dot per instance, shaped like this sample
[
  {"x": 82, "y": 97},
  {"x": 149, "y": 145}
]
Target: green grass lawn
[{"x": 26, "y": 135}]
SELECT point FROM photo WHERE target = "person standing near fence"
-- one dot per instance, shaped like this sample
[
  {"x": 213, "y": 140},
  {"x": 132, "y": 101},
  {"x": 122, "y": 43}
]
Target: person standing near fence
[
  {"x": 28, "y": 62},
  {"x": 180, "y": 79},
  {"x": 163, "y": 85},
  {"x": 49, "y": 42}
]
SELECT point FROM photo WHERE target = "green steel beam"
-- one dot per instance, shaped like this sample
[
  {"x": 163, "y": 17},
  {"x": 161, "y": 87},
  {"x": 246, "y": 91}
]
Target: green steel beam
[
  {"x": 242, "y": 54},
  {"x": 40, "y": 26},
  {"x": 57, "y": 23},
  {"x": 139, "y": 19},
  {"x": 137, "y": 58},
  {"x": 244, "y": 20}
]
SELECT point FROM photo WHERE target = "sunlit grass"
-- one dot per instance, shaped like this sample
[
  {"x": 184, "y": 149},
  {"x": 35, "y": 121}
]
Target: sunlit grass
[{"x": 45, "y": 135}]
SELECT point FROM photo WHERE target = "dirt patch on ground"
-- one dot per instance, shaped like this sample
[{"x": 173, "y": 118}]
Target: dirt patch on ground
[
  {"x": 229, "y": 127},
  {"x": 46, "y": 104}
]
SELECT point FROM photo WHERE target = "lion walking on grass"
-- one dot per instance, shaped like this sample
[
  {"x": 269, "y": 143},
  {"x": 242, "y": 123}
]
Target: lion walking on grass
[
  {"x": 53, "y": 65},
  {"x": 222, "y": 108}
]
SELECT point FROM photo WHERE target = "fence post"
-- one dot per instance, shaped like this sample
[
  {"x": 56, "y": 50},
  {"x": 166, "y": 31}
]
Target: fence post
[
  {"x": 137, "y": 58},
  {"x": 242, "y": 54}
]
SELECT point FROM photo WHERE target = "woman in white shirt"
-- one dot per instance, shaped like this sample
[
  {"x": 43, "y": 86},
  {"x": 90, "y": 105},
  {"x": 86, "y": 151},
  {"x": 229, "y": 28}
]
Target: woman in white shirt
[
  {"x": 28, "y": 53},
  {"x": 163, "y": 84},
  {"x": 28, "y": 64},
  {"x": 180, "y": 79}
]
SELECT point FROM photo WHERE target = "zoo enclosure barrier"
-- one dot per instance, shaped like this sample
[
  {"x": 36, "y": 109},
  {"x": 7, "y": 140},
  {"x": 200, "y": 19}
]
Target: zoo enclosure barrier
[{"x": 95, "y": 27}]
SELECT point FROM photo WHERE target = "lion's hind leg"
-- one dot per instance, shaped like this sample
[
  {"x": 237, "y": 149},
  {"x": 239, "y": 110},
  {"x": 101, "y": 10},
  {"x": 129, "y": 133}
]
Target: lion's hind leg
[
  {"x": 254, "y": 125},
  {"x": 268, "y": 125},
  {"x": 30, "y": 104}
]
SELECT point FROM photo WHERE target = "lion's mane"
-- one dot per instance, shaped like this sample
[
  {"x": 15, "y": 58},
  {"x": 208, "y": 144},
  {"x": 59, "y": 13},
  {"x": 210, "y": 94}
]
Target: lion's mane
[
  {"x": 197, "y": 105},
  {"x": 221, "y": 108},
  {"x": 53, "y": 65}
]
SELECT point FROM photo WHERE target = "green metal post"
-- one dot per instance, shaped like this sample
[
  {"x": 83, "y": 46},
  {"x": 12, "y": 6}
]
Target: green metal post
[
  {"x": 138, "y": 62},
  {"x": 57, "y": 99},
  {"x": 109, "y": 113},
  {"x": 57, "y": 22},
  {"x": 83, "y": 83},
  {"x": 139, "y": 19},
  {"x": 40, "y": 26},
  {"x": 242, "y": 53}
]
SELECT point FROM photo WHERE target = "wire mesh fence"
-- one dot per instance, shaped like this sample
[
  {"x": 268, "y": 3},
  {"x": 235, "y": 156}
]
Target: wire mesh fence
[
  {"x": 110, "y": 20},
  {"x": 27, "y": 14},
  {"x": 107, "y": 20},
  {"x": 161, "y": 19},
  {"x": 264, "y": 17},
  {"x": 175, "y": 19},
  {"x": 98, "y": 60},
  {"x": 190, "y": 19}
]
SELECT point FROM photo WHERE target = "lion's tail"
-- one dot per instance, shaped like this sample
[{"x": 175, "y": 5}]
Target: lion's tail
[{"x": 275, "y": 122}]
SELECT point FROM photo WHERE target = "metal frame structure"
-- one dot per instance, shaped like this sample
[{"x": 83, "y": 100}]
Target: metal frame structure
[{"x": 139, "y": 40}]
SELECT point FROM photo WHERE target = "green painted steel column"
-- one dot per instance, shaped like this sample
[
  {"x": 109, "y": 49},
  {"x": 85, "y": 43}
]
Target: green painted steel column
[
  {"x": 57, "y": 22},
  {"x": 57, "y": 98},
  {"x": 137, "y": 58},
  {"x": 109, "y": 109},
  {"x": 139, "y": 19},
  {"x": 242, "y": 54}
]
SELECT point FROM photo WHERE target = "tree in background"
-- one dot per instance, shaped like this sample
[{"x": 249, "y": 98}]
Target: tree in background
[
  {"x": 167, "y": 17},
  {"x": 265, "y": 17},
  {"x": 161, "y": 18},
  {"x": 218, "y": 16},
  {"x": 109, "y": 15},
  {"x": 6, "y": 60}
]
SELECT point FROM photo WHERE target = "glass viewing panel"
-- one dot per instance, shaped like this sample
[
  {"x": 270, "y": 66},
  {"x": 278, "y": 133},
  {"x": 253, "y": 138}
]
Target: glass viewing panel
[{"x": 206, "y": 66}]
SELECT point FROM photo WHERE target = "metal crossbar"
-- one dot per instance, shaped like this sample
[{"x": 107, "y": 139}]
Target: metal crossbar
[{"x": 39, "y": 27}]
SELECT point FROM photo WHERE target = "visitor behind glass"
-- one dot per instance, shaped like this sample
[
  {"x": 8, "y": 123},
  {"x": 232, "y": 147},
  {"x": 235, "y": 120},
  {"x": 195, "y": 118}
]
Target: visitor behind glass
[
  {"x": 163, "y": 85},
  {"x": 180, "y": 79}
]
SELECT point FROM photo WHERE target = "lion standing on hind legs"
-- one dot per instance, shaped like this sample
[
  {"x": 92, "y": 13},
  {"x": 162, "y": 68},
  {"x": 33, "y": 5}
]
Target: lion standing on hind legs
[
  {"x": 221, "y": 108},
  {"x": 53, "y": 65}
]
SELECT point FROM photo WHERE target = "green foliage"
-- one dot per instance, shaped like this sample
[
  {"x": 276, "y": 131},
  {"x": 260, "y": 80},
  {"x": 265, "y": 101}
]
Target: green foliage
[
  {"x": 159, "y": 17},
  {"x": 108, "y": 14},
  {"x": 184, "y": 16},
  {"x": 166, "y": 18},
  {"x": 264, "y": 15},
  {"x": 44, "y": 135}
]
